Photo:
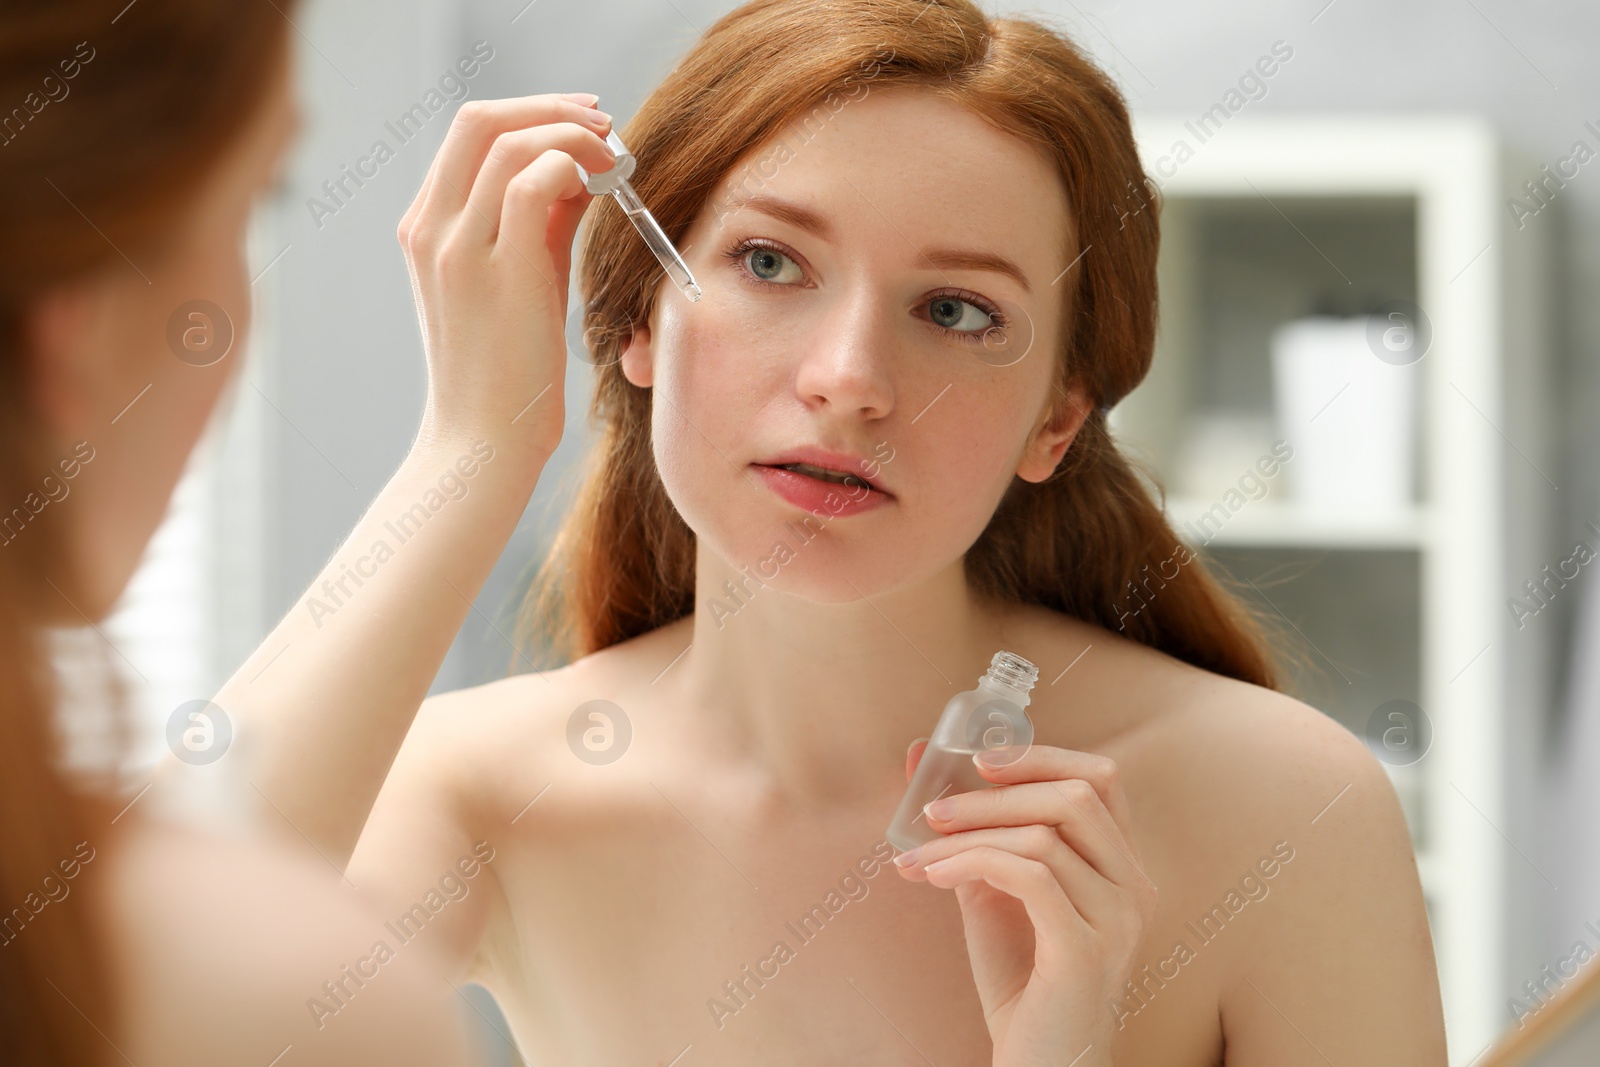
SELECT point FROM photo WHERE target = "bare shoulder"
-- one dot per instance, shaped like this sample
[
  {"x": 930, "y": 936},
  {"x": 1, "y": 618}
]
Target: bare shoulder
[
  {"x": 1279, "y": 850},
  {"x": 473, "y": 762},
  {"x": 502, "y": 734},
  {"x": 1298, "y": 831},
  {"x": 219, "y": 947},
  {"x": 1199, "y": 742},
  {"x": 1238, "y": 773},
  {"x": 1263, "y": 755}
]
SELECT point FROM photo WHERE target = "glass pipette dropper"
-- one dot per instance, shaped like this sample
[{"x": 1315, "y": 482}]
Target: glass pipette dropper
[{"x": 615, "y": 182}]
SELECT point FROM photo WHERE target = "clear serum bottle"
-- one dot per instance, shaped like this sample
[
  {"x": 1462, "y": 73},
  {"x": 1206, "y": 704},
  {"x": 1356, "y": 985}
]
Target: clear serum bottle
[{"x": 988, "y": 716}]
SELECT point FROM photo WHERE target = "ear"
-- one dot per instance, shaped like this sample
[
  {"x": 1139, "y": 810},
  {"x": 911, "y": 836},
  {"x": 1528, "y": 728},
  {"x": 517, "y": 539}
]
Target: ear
[
  {"x": 638, "y": 361},
  {"x": 1050, "y": 440}
]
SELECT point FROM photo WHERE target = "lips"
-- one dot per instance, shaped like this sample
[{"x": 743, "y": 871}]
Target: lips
[
  {"x": 843, "y": 470},
  {"x": 817, "y": 496}
]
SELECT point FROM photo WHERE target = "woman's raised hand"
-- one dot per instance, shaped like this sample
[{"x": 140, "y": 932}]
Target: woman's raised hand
[
  {"x": 488, "y": 241},
  {"x": 1053, "y": 898}
]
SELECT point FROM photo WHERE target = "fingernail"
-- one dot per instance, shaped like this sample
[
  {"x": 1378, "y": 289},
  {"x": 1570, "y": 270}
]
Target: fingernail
[
  {"x": 995, "y": 757},
  {"x": 599, "y": 118},
  {"x": 915, "y": 743},
  {"x": 906, "y": 859},
  {"x": 586, "y": 99},
  {"x": 939, "y": 809}
]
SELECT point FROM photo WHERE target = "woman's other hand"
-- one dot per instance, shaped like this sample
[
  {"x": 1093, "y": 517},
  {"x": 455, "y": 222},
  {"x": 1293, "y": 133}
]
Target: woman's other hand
[
  {"x": 1053, "y": 898},
  {"x": 488, "y": 241}
]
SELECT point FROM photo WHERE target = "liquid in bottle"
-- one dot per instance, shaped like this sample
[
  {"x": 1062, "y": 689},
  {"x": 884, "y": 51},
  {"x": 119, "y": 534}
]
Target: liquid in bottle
[{"x": 988, "y": 716}]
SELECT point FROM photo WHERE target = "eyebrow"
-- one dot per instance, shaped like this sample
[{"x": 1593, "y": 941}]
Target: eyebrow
[{"x": 803, "y": 218}]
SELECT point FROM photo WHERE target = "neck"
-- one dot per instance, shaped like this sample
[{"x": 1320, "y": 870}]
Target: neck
[{"x": 821, "y": 700}]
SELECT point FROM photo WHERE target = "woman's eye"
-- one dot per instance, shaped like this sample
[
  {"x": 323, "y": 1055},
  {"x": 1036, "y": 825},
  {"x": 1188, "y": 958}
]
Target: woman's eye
[
  {"x": 960, "y": 315},
  {"x": 953, "y": 313},
  {"x": 768, "y": 265}
]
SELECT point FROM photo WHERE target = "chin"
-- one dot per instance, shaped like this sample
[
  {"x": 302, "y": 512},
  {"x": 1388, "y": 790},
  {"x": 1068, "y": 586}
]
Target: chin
[
  {"x": 772, "y": 546},
  {"x": 774, "y": 557}
]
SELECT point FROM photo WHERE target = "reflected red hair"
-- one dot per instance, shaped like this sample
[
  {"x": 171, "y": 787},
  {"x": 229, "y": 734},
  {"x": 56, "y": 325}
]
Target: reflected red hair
[
  {"x": 622, "y": 563},
  {"x": 115, "y": 114}
]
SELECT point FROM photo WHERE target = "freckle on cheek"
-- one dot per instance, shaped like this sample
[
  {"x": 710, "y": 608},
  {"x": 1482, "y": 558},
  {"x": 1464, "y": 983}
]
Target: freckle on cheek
[{"x": 712, "y": 347}]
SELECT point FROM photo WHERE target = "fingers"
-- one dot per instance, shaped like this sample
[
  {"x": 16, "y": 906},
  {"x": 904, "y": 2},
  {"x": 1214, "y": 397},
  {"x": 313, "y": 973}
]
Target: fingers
[
  {"x": 1046, "y": 763},
  {"x": 513, "y": 152},
  {"x": 1055, "y": 921},
  {"x": 526, "y": 214},
  {"x": 478, "y": 123},
  {"x": 409, "y": 219},
  {"x": 1071, "y": 808},
  {"x": 914, "y": 756},
  {"x": 1093, "y": 897},
  {"x": 561, "y": 230}
]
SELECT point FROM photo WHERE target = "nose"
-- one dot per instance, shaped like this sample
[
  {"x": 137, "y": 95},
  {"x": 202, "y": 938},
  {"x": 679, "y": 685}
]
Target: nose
[{"x": 847, "y": 363}]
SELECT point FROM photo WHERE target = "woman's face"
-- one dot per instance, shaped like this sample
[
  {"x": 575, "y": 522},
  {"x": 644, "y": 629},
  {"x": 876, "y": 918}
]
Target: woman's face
[
  {"x": 131, "y": 361},
  {"x": 887, "y": 290}
]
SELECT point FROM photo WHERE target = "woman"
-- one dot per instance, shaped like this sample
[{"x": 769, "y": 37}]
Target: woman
[
  {"x": 910, "y": 224},
  {"x": 140, "y": 138}
]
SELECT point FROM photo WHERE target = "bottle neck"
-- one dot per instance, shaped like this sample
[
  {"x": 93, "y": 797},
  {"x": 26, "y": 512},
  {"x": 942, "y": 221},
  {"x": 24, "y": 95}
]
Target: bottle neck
[{"x": 1005, "y": 689}]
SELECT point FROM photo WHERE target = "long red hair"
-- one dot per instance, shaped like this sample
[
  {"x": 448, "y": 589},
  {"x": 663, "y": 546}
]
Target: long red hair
[
  {"x": 117, "y": 112},
  {"x": 1081, "y": 541}
]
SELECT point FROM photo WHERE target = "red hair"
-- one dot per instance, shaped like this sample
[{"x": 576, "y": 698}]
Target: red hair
[
  {"x": 1079, "y": 542},
  {"x": 118, "y": 113}
]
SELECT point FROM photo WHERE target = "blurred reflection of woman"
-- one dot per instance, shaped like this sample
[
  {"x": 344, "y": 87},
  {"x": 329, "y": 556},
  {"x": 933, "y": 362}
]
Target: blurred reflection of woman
[{"x": 135, "y": 141}]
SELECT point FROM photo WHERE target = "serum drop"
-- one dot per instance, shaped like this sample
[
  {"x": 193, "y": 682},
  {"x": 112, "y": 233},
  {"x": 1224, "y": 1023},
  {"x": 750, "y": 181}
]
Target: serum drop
[{"x": 987, "y": 716}]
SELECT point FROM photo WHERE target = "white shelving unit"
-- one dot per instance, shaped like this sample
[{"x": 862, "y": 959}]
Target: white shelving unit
[{"x": 1262, "y": 220}]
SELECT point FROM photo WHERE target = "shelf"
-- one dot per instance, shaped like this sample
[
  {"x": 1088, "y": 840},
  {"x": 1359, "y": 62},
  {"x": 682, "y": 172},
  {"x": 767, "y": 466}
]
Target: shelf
[
  {"x": 1288, "y": 218},
  {"x": 1279, "y": 524}
]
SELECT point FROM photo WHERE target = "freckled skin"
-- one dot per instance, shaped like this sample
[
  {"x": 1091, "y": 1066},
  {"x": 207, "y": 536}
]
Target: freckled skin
[
  {"x": 848, "y": 351},
  {"x": 767, "y": 751}
]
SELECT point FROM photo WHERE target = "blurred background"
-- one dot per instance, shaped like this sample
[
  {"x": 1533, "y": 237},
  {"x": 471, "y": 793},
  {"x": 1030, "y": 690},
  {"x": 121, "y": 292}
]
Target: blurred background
[{"x": 1379, "y": 247}]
